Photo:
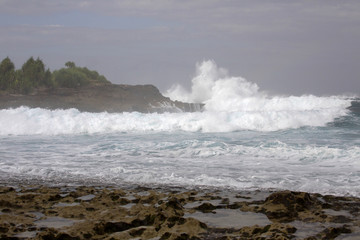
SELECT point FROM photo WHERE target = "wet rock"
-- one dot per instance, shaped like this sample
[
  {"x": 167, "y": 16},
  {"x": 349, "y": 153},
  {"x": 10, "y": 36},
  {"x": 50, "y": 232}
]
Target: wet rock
[
  {"x": 165, "y": 236},
  {"x": 272, "y": 231},
  {"x": 55, "y": 197},
  {"x": 174, "y": 203},
  {"x": 149, "y": 214},
  {"x": 52, "y": 234},
  {"x": 172, "y": 207},
  {"x": 340, "y": 219},
  {"x": 124, "y": 201},
  {"x": 176, "y": 219},
  {"x": 27, "y": 197},
  {"x": 333, "y": 232},
  {"x": 206, "y": 207},
  {"x": 330, "y": 233},
  {"x": 285, "y": 206},
  {"x": 191, "y": 227},
  {"x": 87, "y": 235},
  {"x": 6, "y": 189},
  {"x": 4, "y": 229},
  {"x": 111, "y": 227},
  {"x": 9, "y": 238},
  {"x": 183, "y": 236},
  {"x": 225, "y": 201},
  {"x": 7, "y": 204},
  {"x": 137, "y": 232},
  {"x": 236, "y": 205}
]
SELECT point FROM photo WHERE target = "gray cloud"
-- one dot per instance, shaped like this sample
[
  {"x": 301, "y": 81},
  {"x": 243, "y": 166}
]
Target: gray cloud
[{"x": 290, "y": 47}]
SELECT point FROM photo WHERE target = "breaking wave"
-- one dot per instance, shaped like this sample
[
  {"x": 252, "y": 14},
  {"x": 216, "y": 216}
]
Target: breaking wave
[
  {"x": 219, "y": 92},
  {"x": 25, "y": 121},
  {"x": 230, "y": 104}
]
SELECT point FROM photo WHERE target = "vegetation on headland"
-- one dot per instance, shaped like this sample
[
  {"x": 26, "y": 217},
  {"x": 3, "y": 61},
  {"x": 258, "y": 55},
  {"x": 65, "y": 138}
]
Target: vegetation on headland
[{"x": 33, "y": 75}]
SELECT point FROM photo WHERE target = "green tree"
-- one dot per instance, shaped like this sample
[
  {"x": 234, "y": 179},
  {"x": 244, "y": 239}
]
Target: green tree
[
  {"x": 22, "y": 84},
  {"x": 70, "y": 64},
  {"x": 48, "y": 82},
  {"x": 7, "y": 74},
  {"x": 34, "y": 72}
]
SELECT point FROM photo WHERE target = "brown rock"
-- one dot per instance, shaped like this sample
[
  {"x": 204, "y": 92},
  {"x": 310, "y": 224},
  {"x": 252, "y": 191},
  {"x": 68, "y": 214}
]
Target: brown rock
[
  {"x": 206, "y": 207},
  {"x": 284, "y": 206}
]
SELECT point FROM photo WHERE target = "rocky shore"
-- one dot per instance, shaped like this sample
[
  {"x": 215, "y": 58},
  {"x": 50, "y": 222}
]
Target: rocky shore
[
  {"x": 99, "y": 98},
  {"x": 41, "y": 212}
]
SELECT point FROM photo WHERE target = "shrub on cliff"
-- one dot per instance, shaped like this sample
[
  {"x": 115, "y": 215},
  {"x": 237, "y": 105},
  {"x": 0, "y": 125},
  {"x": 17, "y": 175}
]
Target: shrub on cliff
[
  {"x": 33, "y": 75},
  {"x": 70, "y": 78},
  {"x": 73, "y": 76}
]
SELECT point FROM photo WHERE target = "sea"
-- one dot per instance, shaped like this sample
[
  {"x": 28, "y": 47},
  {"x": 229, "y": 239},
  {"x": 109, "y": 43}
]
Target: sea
[{"x": 239, "y": 138}]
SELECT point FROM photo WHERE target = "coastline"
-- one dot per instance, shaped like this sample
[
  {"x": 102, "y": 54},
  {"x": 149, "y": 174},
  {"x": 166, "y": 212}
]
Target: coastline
[
  {"x": 112, "y": 98},
  {"x": 136, "y": 212},
  {"x": 33, "y": 210}
]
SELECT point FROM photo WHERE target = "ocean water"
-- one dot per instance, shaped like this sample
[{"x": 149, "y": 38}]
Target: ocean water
[{"x": 242, "y": 139}]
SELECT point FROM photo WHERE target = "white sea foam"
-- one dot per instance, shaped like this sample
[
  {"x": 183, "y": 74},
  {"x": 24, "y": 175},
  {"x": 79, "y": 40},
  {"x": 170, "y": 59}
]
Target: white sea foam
[
  {"x": 184, "y": 161},
  {"x": 24, "y": 120},
  {"x": 231, "y": 104},
  {"x": 214, "y": 87}
]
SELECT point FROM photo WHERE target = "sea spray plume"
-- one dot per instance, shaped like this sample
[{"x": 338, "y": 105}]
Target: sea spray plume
[
  {"x": 210, "y": 83},
  {"x": 214, "y": 87},
  {"x": 228, "y": 92},
  {"x": 207, "y": 75},
  {"x": 238, "y": 104}
]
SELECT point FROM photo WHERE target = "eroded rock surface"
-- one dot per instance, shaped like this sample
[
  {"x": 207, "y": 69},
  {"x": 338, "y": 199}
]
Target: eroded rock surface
[{"x": 40, "y": 212}]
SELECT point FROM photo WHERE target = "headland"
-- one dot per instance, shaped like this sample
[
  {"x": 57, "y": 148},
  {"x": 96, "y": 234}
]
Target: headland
[{"x": 98, "y": 98}]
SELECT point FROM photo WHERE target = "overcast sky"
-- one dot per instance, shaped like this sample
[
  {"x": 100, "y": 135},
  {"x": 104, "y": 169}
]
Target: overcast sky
[{"x": 285, "y": 46}]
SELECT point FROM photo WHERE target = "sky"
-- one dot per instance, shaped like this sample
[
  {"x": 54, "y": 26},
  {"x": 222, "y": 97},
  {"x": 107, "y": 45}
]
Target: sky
[{"x": 286, "y": 47}]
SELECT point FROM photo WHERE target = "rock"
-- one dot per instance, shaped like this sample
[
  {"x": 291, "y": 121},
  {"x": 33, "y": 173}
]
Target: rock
[
  {"x": 111, "y": 227},
  {"x": 99, "y": 98},
  {"x": 52, "y": 234},
  {"x": 6, "y": 189},
  {"x": 167, "y": 214},
  {"x": 4, "y": 229},
  {"x": 330, "y": 233},
  {"x": 55, "y": 197},
  {"x": 206, "y": 207},
  {"x": 285, "y": 206}
]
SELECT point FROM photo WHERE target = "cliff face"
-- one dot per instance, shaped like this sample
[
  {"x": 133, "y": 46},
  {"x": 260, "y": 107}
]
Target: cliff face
[{"x": 110, "y": 98}]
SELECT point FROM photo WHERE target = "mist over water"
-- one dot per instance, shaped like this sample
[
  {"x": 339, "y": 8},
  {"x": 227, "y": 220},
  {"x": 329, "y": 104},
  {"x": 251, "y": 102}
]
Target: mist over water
[{"x": 242, "y": 139}]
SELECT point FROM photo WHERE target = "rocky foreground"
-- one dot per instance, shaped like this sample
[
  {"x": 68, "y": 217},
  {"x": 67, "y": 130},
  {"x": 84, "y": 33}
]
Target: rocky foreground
[
  {"x": 99, "y": 98},
  {"x": 40, "y": 212}
]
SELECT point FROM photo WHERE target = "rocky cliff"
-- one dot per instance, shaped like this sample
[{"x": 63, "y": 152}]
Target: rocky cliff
[{"x": 108, "y": 97}]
